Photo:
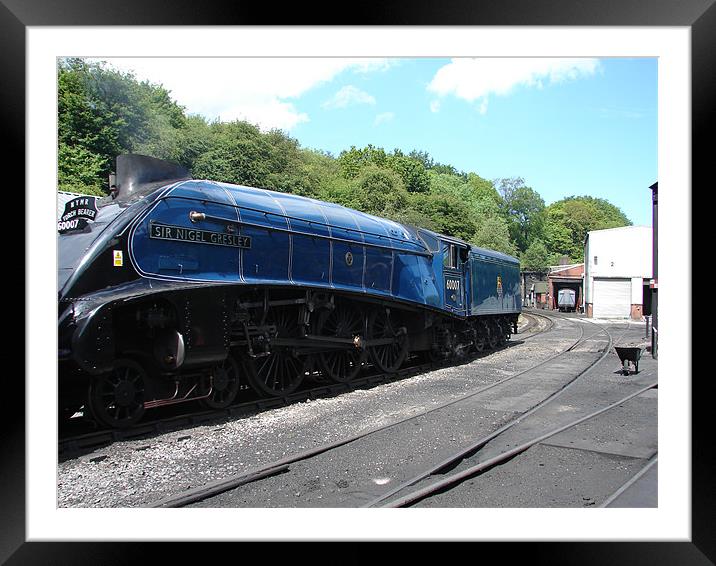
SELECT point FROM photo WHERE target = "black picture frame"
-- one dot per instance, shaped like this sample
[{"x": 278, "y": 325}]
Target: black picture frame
[{"x": 17, "y": 15}]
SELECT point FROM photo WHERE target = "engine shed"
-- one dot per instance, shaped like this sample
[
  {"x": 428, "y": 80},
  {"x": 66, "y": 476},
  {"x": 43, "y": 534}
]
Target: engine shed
[{"x": 565, "y": 277}]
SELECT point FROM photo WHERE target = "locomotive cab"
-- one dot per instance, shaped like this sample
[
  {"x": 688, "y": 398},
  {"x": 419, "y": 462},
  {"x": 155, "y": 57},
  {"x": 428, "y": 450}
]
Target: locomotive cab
[{"x": 455, "y": 256}]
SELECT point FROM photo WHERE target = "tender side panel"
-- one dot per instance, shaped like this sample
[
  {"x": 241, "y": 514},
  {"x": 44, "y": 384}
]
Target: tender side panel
[{"x": 495, "y": 286}]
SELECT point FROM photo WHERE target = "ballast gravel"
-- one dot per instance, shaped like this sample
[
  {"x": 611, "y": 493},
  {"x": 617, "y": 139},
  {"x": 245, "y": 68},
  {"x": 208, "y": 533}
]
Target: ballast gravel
[{"x": 139, "y": 472}]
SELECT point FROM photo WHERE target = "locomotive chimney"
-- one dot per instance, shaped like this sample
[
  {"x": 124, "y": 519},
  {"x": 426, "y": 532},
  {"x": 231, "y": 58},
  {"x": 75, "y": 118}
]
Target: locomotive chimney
[{"x": 138, "y": 175}]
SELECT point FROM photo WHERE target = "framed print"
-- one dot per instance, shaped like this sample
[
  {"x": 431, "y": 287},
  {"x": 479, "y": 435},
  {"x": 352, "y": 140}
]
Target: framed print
[{"x": 677, "y": 34}]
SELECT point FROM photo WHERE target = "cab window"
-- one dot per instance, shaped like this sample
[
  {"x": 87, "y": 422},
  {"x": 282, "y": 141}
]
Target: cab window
[
  {"x": 450, "y": 259},
  {"x": 430, "y": 242}
]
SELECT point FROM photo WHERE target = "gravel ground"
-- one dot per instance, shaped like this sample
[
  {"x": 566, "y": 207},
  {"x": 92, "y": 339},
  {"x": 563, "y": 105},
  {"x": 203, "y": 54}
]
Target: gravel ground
[
  {"x": 580, "y": 467},
  {"x": 544, "y": 476},
  {"x": 139, "y": 472}
]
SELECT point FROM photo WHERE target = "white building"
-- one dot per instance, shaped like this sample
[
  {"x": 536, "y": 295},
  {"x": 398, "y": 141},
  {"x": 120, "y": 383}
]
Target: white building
[{"x": 617, "y": 270}]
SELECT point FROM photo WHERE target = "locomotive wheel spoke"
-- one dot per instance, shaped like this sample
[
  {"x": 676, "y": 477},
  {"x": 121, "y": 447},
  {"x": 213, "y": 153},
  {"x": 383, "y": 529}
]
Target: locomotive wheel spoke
[
  {"x": 500, "y": 333},
  {"x": 341, "y": 366},
  {"x": 493, "y": 336},
  {"x": 223, "y": 382},
  {"x": 116, "y": 398},
  {"x": 387, "y": 357},
  {"x": 282, "y": 371}
]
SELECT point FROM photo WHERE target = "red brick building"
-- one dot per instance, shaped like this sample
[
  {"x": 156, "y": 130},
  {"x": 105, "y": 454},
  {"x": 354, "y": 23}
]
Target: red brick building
[{"x": 565, "y": 277}]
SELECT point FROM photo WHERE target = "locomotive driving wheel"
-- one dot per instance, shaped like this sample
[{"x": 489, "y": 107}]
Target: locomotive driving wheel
[
  {"x": 116, "y": 398},
  {"x": 281, "y": 371},
  {"x": 506, "y": 330},
  {"x": 223, "y": 383},
  {"x": 480, "y": 336},
  {"x": 341, "y": 366},
  {"x": 494, "y": 335},
  {"x": 387, "y": 357}
]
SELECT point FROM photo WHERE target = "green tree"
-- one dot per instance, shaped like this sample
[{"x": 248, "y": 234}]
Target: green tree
[
  {"x": 537, "y": 257},
  {"x": 567, "y": 221},
  {"x": 354, "y": 160},
  {"x": 379, "y": 191},
  {"x": 448, "y": 214},
  {"x": 557, "y": 234},
  {"x": 238, "y": 154},
  {"x": 492, "y": 233},
  {"x": 102, "y": 113},
  {"x": 523, "y": 208},
  {"x": 413, "y": 173},
  {"x": 79, "y": 170}
]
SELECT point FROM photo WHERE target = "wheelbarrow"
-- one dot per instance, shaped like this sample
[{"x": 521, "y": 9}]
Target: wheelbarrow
[{"x": 627, "y": 355}]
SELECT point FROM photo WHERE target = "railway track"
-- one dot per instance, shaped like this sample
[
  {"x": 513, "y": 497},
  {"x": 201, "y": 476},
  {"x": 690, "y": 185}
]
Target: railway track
[
  {"x": 532, "y": 322},
  {"x": 440, "y": 485},
  {"x": 614, "y": 499},
  {"x": 79, "y": 437},
  {"x": 444, "y": 477},
  {"x": 74, "y": 444},
  {"x": 212, "y": 489}
]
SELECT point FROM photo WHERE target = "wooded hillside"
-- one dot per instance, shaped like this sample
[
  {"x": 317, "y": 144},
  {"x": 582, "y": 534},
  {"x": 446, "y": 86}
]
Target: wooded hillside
[{"x": 103, "y": 113}]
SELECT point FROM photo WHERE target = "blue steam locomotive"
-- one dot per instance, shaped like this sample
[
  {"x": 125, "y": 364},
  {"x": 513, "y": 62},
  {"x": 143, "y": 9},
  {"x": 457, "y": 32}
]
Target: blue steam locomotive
[{"x": 173, "y": 289}]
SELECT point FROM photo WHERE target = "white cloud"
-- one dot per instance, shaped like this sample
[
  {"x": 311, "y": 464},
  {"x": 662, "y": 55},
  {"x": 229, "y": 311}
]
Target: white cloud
[
  {"x": 374, "y": 65},
  {"x": 483, "y": 106},
  {"x": 473, "y": 79},
  {"x": 383, "y": 117},
  {"x": 267, "y": 114},
  {"x": 435, "y": 106},
  {"x": 348, "y": 96},
  {"x": 253, "y": 89},
  {"x": 612, "y": 112}
]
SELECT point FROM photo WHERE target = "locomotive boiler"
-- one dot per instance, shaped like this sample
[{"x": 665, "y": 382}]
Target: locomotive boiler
[{"x": 173, "y": 289}]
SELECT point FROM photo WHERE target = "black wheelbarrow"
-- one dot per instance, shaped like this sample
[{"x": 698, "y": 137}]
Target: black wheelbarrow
[{"x": 627, "y": 355}]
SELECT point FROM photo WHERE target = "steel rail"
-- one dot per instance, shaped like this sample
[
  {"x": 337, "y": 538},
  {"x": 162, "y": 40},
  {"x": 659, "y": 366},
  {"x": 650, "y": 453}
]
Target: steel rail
[
  {"x": 82, "y": 442},
  {"x": 540, "y": 331},
  {"x": 481, "y": 442},
  {"x": 650, "y": 464},
  {"x": 226, "y": 484},
  {"x": 76, "y": 443},
  {"x": 79, "y": 442},
  {"x": 483, "y": 466}
]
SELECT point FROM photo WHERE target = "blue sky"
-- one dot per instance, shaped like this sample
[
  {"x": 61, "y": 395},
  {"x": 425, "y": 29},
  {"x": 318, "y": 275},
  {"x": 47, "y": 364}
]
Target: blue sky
[{"x": 567, "y": 126}]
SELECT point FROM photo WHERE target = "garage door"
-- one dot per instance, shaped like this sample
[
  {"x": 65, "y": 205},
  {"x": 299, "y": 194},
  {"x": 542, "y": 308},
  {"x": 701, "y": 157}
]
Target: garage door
[{"x": 612, "y": 298}]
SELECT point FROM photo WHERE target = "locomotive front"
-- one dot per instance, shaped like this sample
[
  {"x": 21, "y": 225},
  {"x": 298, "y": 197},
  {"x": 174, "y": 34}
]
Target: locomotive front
[{"x": 95, "y": 283}]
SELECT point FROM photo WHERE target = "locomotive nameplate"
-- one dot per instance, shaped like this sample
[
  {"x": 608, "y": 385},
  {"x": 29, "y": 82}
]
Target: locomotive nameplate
[{"x": 183, "y": 234}]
